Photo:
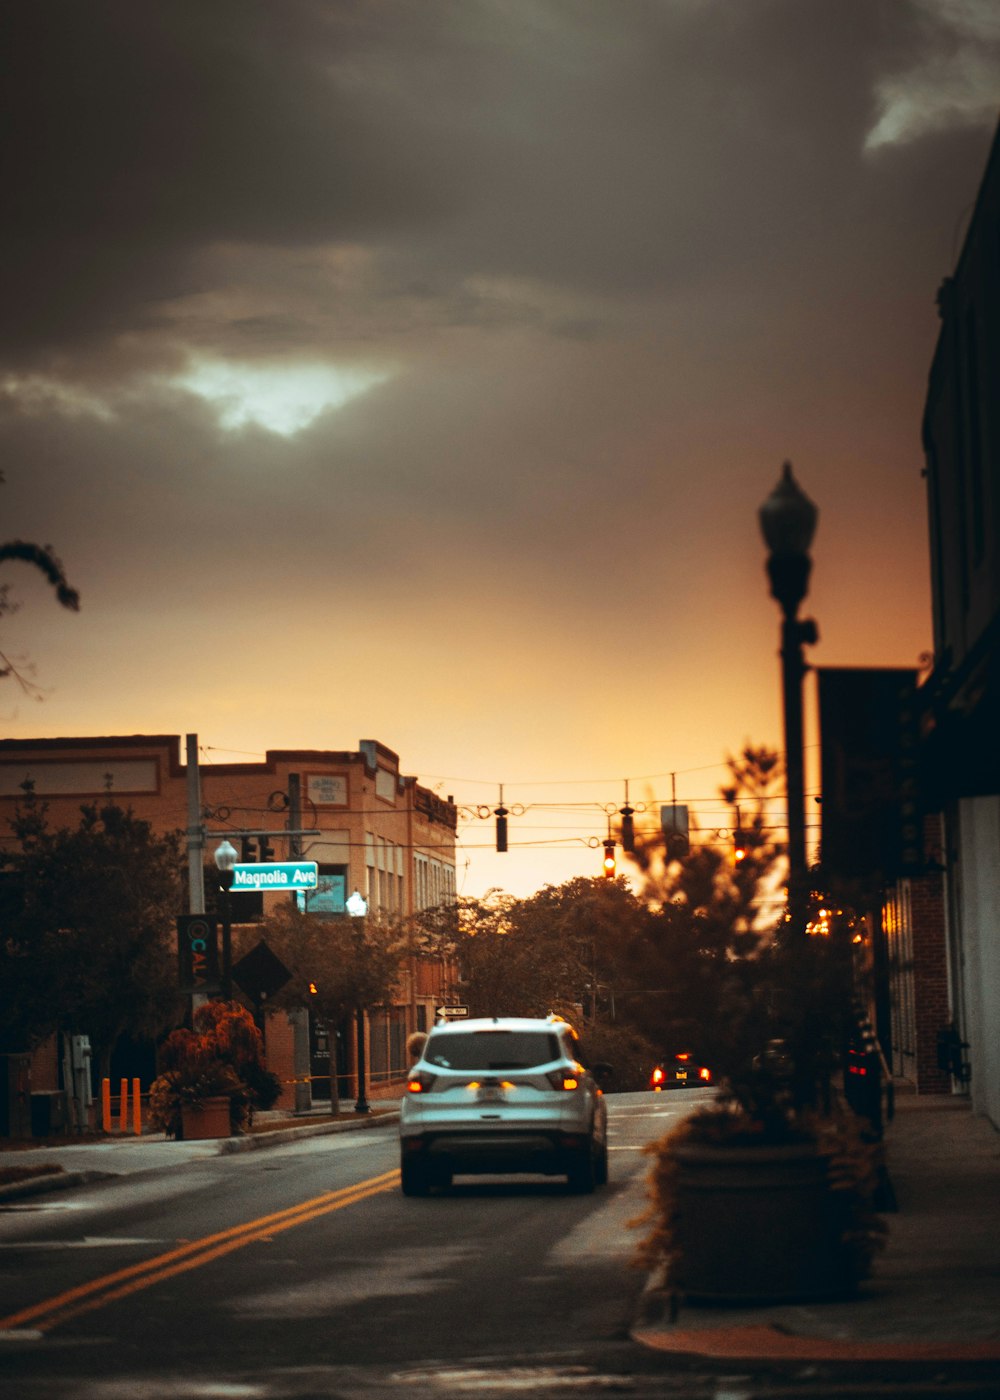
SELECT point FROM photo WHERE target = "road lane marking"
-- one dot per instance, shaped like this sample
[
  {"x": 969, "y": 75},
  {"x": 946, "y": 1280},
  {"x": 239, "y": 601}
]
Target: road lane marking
[{"x": 192, "y": 1254}]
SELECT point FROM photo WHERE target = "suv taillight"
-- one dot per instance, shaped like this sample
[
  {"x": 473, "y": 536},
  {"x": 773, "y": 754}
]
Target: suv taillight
[
  {"x": 420, "y": 1083},
  {"x": 564, "y": 1079}
]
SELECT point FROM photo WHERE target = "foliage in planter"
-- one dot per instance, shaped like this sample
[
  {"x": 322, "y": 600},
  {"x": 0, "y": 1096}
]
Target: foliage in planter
[
  {"x": 838, "y": 1135},
  {"x": 779, "y": 1017},
  {"x": 223, "y": 1055}
]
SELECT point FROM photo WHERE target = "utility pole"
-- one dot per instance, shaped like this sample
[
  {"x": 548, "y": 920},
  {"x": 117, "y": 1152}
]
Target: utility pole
[
  {"x": 301, "y": 1017},
  {"x": 294, "y": 816},
  {"x": 195, "y": 831}
]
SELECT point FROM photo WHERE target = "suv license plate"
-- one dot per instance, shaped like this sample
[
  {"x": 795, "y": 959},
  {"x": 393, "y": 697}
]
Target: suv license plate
[
  {"x": 682, "y": 1074},
  {"x": 490, "y": 1094}
]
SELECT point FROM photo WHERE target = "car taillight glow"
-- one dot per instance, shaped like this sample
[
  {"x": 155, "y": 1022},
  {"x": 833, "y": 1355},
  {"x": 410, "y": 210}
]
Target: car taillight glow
[
  {"x": 563, "y": 1079},
  {"x": 419, "y": 1083},
  {"x": 705, "y": 1074},
  {"x": 657, "y": 1076}
]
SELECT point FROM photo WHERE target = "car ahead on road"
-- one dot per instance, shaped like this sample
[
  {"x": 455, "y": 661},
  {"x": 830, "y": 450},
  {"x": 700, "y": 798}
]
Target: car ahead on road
[
  {"x": 680, "y": 1073},
  {"x": 502, "y": 1095}
]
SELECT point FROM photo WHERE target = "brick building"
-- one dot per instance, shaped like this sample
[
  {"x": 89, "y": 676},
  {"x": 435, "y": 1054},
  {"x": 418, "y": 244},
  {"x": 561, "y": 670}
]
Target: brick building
[{"x": 369, "y": 828}]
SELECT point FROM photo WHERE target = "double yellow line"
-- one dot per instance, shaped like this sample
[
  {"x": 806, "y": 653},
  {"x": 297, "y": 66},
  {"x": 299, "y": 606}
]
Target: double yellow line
[{"x": 42, "y": 1317}]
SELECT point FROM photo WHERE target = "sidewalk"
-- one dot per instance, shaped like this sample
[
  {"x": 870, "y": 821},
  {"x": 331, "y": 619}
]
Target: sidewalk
[
  {"x": 123, "y": 1154},
  {"x": 935, "y": 1291}
]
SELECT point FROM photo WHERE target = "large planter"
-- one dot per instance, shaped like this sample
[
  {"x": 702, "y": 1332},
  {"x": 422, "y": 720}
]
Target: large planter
[
  {"x": 209, "y": 1119},
  {"x": 760, "y": 1224}
]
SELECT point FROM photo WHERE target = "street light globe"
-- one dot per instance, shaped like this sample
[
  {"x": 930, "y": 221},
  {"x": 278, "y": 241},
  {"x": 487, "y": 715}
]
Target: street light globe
[
  {"x": 357, "y": 905},
  {"x": 226, "y": 856},
  {"x": 788, "y": 517}
]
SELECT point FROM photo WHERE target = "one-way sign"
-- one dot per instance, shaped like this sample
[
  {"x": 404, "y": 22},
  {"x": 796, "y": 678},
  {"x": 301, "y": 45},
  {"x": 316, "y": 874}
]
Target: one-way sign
[{"x": 282, "y": 875}]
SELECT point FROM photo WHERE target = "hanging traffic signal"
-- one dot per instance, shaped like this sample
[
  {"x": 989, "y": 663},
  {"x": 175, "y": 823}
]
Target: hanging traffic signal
[
  {"x": 741, "y": 847},
  {"x": 628, "y": 828},
  {"x": 266, "y": 849},
  {"x": 674, "y": 821},
  {"x": 248, "y": 850},
  {"x": 609, "y": 859},
  {"x": 501, "y": 816}
]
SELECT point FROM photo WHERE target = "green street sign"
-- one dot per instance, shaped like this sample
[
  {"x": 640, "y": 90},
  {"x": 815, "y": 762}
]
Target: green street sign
[{"x": 281, "y": 875}]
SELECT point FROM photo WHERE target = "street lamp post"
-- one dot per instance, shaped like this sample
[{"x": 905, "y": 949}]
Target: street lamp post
[
  {"x": 788, "y": 522},
  {"x": 226, "y": 856},
  {"x": 357, "y": 907}
]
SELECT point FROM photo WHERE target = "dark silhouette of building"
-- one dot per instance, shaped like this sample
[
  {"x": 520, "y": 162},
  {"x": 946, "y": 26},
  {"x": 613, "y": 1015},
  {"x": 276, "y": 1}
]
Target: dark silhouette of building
[{"x": 960, "y": 700}]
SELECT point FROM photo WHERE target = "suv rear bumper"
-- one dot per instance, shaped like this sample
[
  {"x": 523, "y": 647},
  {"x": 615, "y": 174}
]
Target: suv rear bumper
[{"x": 475, "y": 1153}]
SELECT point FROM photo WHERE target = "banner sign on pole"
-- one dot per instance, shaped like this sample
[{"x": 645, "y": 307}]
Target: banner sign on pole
[{"x": 197, "y": 953}]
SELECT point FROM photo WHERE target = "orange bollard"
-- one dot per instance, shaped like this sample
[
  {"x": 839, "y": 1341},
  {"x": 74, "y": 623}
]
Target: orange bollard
[
  {"x": 136, "y": 1108},
  {"x": 106, "y": 1104},
  {"x": 123, "y": 1107}
]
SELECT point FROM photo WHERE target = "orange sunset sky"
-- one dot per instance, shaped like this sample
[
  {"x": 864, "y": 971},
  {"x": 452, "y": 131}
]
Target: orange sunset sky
[{"x": 416, "y": 373}]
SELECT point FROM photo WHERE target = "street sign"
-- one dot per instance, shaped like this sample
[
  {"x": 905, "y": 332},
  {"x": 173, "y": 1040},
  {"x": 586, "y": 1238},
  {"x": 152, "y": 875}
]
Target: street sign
[
  {"x": 260, "y": 973},
  {"x": 453, "y": 1013},
  {"x": 280, "y": 875}
]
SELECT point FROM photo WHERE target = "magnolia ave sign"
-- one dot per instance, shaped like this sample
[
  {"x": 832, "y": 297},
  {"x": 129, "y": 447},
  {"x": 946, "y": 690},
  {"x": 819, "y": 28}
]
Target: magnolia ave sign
[{"x": 282, "y": 875}]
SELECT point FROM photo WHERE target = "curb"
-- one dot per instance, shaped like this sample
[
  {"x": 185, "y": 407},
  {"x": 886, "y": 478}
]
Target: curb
[
  {"x": 55, "y": 1180},
  {"x": 251, "y": 1142},
  {"x": 766, "y": 1344},
  {"x": 657, "y": 1328}
]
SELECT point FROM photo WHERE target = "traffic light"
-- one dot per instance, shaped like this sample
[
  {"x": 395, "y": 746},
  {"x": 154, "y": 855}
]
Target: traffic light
[
  {"x": 501, "y": 816},
  {"x": 266, "y": 849},
  {"x": 628, "y": 828},
  {"x": 609, "y": 859},
  {"x": 313, "y": 989},
  {"x": 674, "y": 821},
  {"x": 248, "y": 850},
  {"x": 741, "y": 847}
]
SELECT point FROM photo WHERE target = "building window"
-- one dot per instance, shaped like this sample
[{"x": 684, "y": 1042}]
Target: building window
[{"x": 388, "y": 1045}]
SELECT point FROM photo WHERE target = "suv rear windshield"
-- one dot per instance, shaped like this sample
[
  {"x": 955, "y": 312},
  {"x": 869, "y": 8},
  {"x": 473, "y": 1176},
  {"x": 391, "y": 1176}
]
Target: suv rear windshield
[{"x": 492, "y": 1049}]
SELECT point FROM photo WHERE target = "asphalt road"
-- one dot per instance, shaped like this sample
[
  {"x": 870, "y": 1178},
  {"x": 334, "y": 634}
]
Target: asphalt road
[{"x": 303, "y": 1271}]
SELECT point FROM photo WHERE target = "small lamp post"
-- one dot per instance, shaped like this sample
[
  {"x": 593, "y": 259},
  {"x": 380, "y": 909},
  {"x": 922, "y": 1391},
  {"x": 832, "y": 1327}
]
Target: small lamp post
[
  {"x": 788, "y": 522},
  {"x": 357, "y": 907},
  {"x": 226, "y": 856}
]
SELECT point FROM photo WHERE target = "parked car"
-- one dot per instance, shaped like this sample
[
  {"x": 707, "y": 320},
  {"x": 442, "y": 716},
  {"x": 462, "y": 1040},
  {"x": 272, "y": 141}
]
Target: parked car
[
  {"x": 680, "y": 1073},
  {"x": 502, "y": 1095}
]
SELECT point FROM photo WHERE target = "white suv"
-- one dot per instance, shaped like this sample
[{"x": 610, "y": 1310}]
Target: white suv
[{"x": 506, "y": 1094}]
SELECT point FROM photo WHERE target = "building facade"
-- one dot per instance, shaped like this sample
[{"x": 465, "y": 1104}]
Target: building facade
[
  {"x": 961, "y": 698},
  {"x": 369, "y": 828}
]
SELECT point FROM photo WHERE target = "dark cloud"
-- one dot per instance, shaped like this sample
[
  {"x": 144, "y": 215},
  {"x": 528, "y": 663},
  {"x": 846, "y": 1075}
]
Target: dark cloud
[
  {"x": 606, "y": 264},
  {"x": 139, "y": 134},
  {"x": 608, "y": 149}
]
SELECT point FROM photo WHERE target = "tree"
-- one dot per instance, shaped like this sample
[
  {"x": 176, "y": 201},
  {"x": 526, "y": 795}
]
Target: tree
[
  {"x": 45, "y": 561},
  {"x": 558, "y": 951},
  {"x": 93, "y": 926},
  {"x": 705, "y": 919},
  {"x": 510, "y": 962},
  {"x": 338, "y": 965}
]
